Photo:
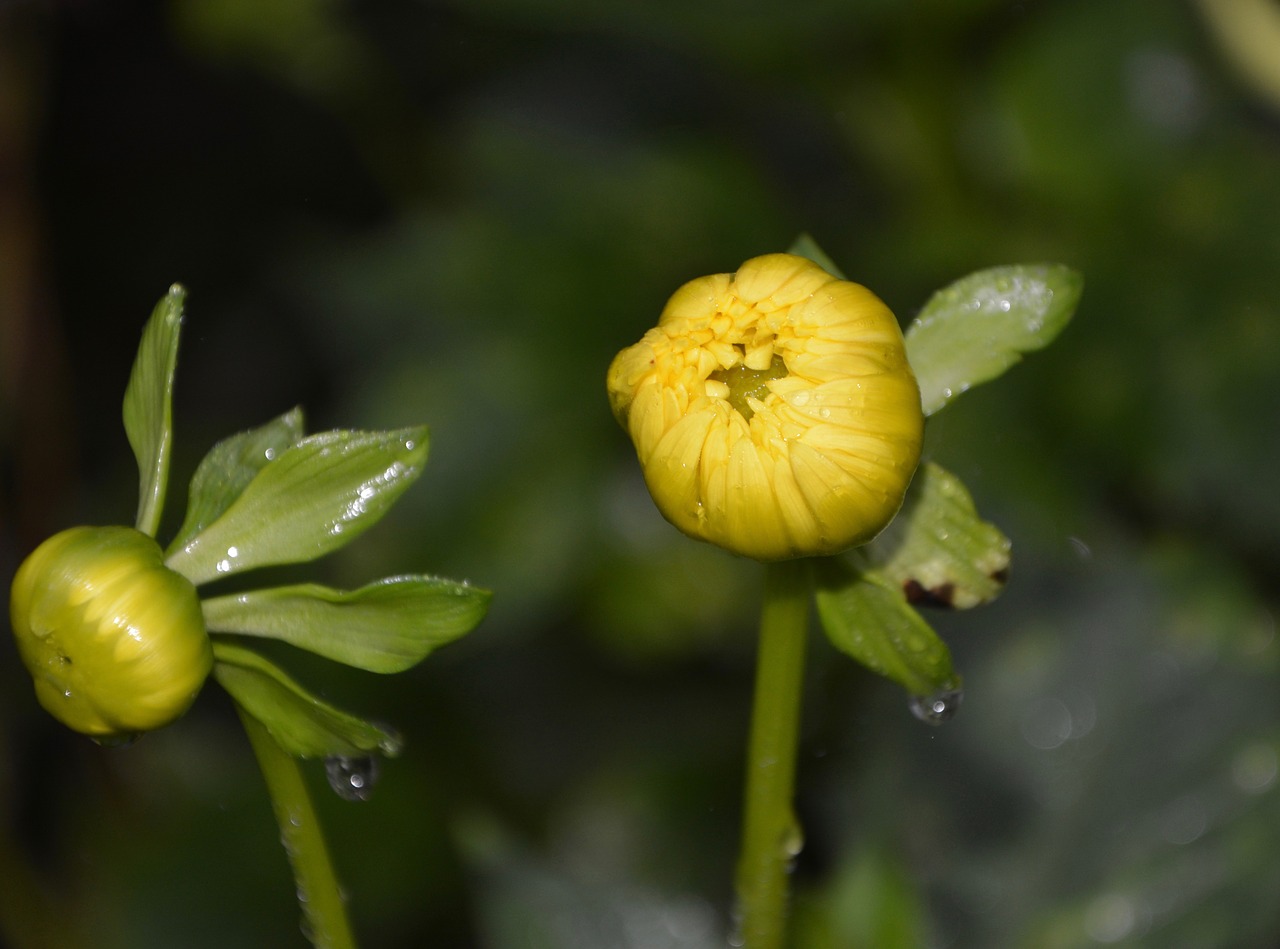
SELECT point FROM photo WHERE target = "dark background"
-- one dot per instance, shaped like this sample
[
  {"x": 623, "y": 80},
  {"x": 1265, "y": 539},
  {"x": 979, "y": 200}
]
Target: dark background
[{"x": 396, "y": 212}]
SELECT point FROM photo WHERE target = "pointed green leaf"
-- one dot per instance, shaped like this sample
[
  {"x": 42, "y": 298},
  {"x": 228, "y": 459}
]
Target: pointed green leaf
[
  {"x": 387, "y": 626},
  {"x": 867, "y": 617},
  {"x": 148, "y": 406},
  {"x": 303, "y": 725},
  {"x": 937, "y": 550},
  {"x": 805, "y": 246},
  {"x": 229, "y": 467},
  {"x": 975, "y": 329},
  {"x": 313, "y": 498}
]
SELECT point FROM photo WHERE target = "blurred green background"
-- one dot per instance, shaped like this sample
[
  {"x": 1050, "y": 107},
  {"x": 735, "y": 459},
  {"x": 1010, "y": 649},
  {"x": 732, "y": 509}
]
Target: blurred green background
[{"x": 402, "y": 211}]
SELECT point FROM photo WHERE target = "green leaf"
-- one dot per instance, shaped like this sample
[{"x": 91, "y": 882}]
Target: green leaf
[
  {"x": 387, "y": 626},
  {"x": 868, "y": 617},
  {"x": 301, "y": 724},
  {"x": 806, "y": 246},
  {"x": 975, "y": 329},
  {"x": 313, "y": 498},
  {"x": 229, "y": 467},
  {"x": 148, "y": 406},
  {"x": 937, "y": 550}
]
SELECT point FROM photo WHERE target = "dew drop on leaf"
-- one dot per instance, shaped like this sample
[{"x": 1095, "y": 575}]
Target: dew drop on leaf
[
  {"x": 352, "y": 779},
  {"x": 937, "y": 708}
]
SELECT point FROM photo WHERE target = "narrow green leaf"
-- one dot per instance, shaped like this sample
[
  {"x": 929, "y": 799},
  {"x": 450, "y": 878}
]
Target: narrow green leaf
[
  {"x": 937, "y": 550},
  {"x": 313, "y": 498},
  {"x": 229, "y": 467},
  {"x": 148, "y": 406},
  {"x": 975, "y": 329},
  {"x": 387, "y": 626},
  {"x": 303, "y": 725},
  {"x": 868, "y": 618},
  {"x": 805, "y": 246}
]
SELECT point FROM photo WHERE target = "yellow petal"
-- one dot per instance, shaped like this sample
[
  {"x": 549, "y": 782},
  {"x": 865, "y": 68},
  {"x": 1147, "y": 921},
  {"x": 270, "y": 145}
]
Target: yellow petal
[{"x": 806, "y": 439}]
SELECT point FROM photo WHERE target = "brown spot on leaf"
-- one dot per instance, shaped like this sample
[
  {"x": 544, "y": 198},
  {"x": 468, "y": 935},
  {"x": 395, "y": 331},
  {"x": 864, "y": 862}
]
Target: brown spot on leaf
[
  {"x": 919, "y": 595},
  {"x": 1001, "y": 576}
]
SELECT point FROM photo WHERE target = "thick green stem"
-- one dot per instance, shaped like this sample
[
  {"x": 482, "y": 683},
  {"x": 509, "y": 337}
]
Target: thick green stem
[
  {"x": 323, "y": 908},
  {"x": 771, "y": 837}
]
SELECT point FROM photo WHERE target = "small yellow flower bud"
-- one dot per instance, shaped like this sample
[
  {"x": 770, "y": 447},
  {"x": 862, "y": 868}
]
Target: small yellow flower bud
[
  {"x": 772, "y": 410},
  {"x": 115, "y": 640}
]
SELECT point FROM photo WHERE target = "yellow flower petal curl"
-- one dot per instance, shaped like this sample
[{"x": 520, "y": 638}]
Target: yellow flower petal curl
[{"x": 772, "y": 410}]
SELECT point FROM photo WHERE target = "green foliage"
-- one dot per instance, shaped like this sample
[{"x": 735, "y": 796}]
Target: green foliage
[
  {"x": 869, "y": 619},
  {"x": 973, "y": 330},
  {"x": 229, "y": 467},
  {"x": 387, "y": 626},
  {"x": 316, "y": 496},
  {"x": 937, "y": 549},
  {"x": 302, "y": 724},
  {"x": 273, "y": 495},
  {"x": 148, "y": 407},
  {"x": 936, "y": 552}
]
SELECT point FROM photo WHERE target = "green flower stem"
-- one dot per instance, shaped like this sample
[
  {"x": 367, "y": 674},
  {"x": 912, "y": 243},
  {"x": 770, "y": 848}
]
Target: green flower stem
[
  {"x": 324, "y": 911},
  {"x": 771, "y": 838}
]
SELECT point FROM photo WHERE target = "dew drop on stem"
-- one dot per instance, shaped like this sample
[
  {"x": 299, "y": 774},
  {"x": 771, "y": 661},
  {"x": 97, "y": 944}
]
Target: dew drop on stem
[
  {"x": 937, "y": 708},
  {"x": 352, "y": 779}
]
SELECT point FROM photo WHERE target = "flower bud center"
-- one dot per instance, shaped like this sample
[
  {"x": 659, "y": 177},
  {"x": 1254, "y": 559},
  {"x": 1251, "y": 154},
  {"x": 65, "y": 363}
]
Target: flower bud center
[{"x": 745, "y": 384}]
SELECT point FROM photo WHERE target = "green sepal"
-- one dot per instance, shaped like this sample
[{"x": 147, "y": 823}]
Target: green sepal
[
  {"x": 973, "y": 330},
  {"x": 148, "y": 406},
  {"x": 805, "y": 246},
  {"x": 867, "y": 616},
  {"x": 303, "y": 725},
  {"x": 387, "y": 626},
  {"x": 229, "y": 467},
  {"x": 313, "y": 498},
  {"x": 937, "y": 550}
]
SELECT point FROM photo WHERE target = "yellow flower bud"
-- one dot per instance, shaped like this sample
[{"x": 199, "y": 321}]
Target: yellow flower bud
[
  {"x": 773, "y": 410},
  {"x": 115, "y": 640}
]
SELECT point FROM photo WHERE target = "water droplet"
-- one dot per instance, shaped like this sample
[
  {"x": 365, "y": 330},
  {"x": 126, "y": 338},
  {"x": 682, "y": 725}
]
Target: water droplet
[
  {"x": 937, "y": 708},
  {"x": 352, "y": 779},
  {"x": 800, "y": 397},
  {"x": 793, "y": 841}
]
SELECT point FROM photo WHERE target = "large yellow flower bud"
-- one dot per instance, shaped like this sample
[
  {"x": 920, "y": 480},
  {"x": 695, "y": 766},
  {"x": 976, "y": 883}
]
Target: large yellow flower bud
[
  {"x": 115, "y": 640},
  {"x": 772, "y": 410}
]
